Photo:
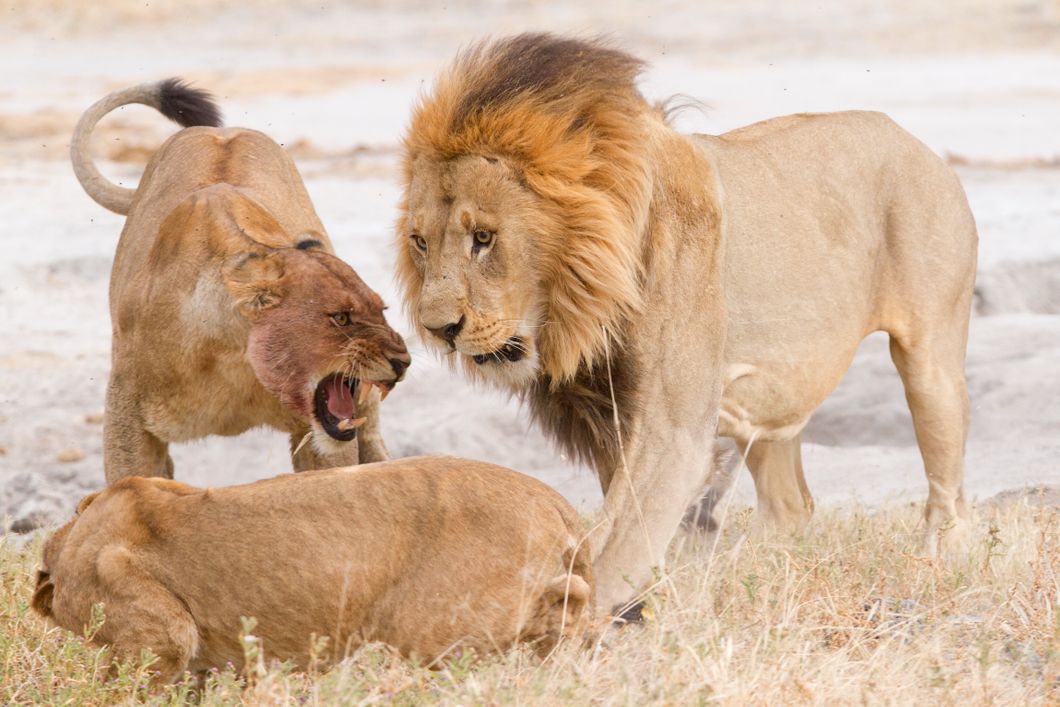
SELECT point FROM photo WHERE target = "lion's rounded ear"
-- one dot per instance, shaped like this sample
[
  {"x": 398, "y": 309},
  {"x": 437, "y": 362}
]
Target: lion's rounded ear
[
  {"x": 42, "y": 595},
  {"x": 253, "y": 279},
  {"x": 86, "y": 502}
]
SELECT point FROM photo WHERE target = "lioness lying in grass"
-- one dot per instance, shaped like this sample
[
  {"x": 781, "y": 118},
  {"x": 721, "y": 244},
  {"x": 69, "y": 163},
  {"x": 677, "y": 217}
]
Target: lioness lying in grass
[{"x": 427, "y": 554}]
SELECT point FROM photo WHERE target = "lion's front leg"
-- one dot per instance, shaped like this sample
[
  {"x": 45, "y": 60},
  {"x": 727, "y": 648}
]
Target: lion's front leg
[
  {"x": 369, "y": 438},
  {"x": 665, "y": 465},
  {"x": 129, "y": 449}
]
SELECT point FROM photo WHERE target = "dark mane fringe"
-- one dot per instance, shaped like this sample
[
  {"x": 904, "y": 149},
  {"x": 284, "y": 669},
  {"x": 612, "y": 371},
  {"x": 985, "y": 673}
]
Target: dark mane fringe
[
  {"x": 567, "y": 115},
  {"x": 579, "y": 414},
  {"x": 543, "y": 69}
]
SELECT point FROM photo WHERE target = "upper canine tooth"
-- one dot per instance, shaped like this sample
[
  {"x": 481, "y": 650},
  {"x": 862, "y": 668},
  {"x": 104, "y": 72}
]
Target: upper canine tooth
[{"x": 364, "y": 392}]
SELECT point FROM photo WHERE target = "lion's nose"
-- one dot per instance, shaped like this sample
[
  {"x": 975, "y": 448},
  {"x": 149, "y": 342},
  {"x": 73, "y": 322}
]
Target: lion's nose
[
  {"x": 449, "y": 332},
  {"x": 399, "y": 364}
]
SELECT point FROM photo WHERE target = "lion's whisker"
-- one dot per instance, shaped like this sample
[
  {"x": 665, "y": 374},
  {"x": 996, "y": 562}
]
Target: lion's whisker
[{"x": 302, "y": 443}]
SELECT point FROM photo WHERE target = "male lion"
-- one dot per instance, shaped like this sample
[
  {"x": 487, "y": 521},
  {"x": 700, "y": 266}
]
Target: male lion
[
  {"x": 228, "y": 308},
  {"x": 645, "y": 290},
  {"x": 427, "y": 554}
]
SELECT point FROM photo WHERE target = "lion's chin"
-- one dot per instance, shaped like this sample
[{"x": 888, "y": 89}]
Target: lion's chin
[
  {"x": 516, "y": 374},
  {"x": 514, "y": 350},
  {"x": 324, "y": 444}
]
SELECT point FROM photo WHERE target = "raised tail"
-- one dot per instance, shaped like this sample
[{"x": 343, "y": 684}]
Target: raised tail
[{"x": 173, "y": 98}]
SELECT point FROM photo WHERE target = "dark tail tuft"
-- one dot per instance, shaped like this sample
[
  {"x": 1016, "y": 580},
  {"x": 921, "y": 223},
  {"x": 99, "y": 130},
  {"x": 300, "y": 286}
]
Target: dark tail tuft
[{"x": 187, "y": 106}]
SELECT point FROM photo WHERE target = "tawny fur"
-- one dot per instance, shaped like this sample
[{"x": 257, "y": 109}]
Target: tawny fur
[
  {"x": 220, "y": 312},
  {"x": 666, "y": 288},
  {"x": 431, "y": 555}
]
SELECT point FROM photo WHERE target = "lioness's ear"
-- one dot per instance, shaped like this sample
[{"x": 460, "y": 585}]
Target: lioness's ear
[
  {"x": 567, "y": 591},
  {"x": 253, "y": 278},
  {"x": 86, "y": 502},
  {"x": 42, "y": 596}
]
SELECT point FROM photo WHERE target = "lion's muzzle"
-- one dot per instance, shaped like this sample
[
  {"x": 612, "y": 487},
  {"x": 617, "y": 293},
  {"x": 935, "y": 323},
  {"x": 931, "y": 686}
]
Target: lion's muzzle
[{"x": 514, "y": 350}]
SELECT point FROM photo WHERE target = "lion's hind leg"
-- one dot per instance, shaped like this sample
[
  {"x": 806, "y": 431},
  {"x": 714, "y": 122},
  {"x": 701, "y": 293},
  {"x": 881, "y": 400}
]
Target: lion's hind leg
[
  {"x": 784, "y": 500},
  {"x": 932, "y": 371},
  {"x": 705, "y": 513},
  {"x": 140, "y": 613}
]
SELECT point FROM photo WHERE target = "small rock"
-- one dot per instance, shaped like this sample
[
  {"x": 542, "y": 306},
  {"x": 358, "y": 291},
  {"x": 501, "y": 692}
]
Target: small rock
[
  {"x": 27, "y": 524},
  {"x": 94, "y": 418},
  {"x": 3, "y": 451},
  {"x": 70, "y": 455},
  {"x": 1043, "y": 495}
]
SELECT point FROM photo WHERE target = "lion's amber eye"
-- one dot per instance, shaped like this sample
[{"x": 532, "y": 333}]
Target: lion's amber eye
[
  {"x": 483, "y": 237},
  {"x": 420, "y": 242},
  {"x": 341, "y": 319}
]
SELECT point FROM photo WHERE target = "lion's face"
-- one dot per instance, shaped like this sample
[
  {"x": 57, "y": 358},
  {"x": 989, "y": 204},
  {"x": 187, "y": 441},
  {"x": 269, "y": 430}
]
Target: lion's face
[
  {"x": 44, "y": 592},
  {"x": 318, "y": 338},
  {"x": 470, "y": 244}
]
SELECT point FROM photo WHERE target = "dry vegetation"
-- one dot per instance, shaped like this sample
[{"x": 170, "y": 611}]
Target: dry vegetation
[{"x": 845, "y": 614}]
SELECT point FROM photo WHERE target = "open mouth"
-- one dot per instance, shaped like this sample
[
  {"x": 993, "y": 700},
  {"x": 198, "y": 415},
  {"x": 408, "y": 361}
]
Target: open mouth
[
  {"x": 336, "y": 400},
  {"x": 335, "y": 407},
  {"x": 513, "y": 350}
]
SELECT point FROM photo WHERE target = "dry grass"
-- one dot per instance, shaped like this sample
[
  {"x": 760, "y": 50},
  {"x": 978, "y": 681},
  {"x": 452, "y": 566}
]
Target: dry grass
[{"x": 845, "y": 614}]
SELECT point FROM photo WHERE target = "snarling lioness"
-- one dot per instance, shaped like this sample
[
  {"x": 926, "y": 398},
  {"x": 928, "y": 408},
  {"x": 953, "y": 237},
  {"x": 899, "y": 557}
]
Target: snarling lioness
[
  {"x": 646, "y": 290},
  {"x": 229, "y": 309}
]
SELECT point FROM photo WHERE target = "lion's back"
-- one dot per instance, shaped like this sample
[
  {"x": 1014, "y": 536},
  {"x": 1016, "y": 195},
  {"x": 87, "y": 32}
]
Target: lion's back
[
  {"x": 837, "y": 188},
  {"x": 865, "y": 145},
  {"x": 833, "y": 222}
]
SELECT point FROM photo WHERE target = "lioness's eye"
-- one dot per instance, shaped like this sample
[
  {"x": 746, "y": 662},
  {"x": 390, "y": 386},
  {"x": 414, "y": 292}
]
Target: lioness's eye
[
  {"x": 483, "y": 237},
  {"x": 341, "y": 319},
  {"x": 420, "y": 242}
]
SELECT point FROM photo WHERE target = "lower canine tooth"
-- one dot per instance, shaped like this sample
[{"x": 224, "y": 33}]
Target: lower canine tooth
[{"x": 351, "y": 424}]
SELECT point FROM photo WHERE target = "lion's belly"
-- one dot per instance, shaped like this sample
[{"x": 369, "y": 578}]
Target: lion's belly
[
  {"x": 781, "y": 363},
  {"x": 227, "y": 400},
  {"x": 783, "y": 357},
  {"x": 805, "y": 252},
  {"x": 766, "y": 403}
]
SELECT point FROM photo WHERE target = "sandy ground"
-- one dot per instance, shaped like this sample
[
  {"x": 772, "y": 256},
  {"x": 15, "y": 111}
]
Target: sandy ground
[{"x": 979, "y": 81}]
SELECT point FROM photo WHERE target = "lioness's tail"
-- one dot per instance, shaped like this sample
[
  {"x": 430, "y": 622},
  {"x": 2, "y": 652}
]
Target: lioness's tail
[{"x": 173, "y": 98}]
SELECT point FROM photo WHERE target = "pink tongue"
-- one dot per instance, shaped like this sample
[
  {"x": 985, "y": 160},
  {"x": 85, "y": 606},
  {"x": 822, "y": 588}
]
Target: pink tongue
[{"x": 340, "y": 400}]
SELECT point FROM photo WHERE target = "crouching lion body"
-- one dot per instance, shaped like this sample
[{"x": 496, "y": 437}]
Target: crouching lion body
[
  {"x": 228, "y": 308},
  {"x": 646, "y": 290},
  {"x": 428, "y": 554}
]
